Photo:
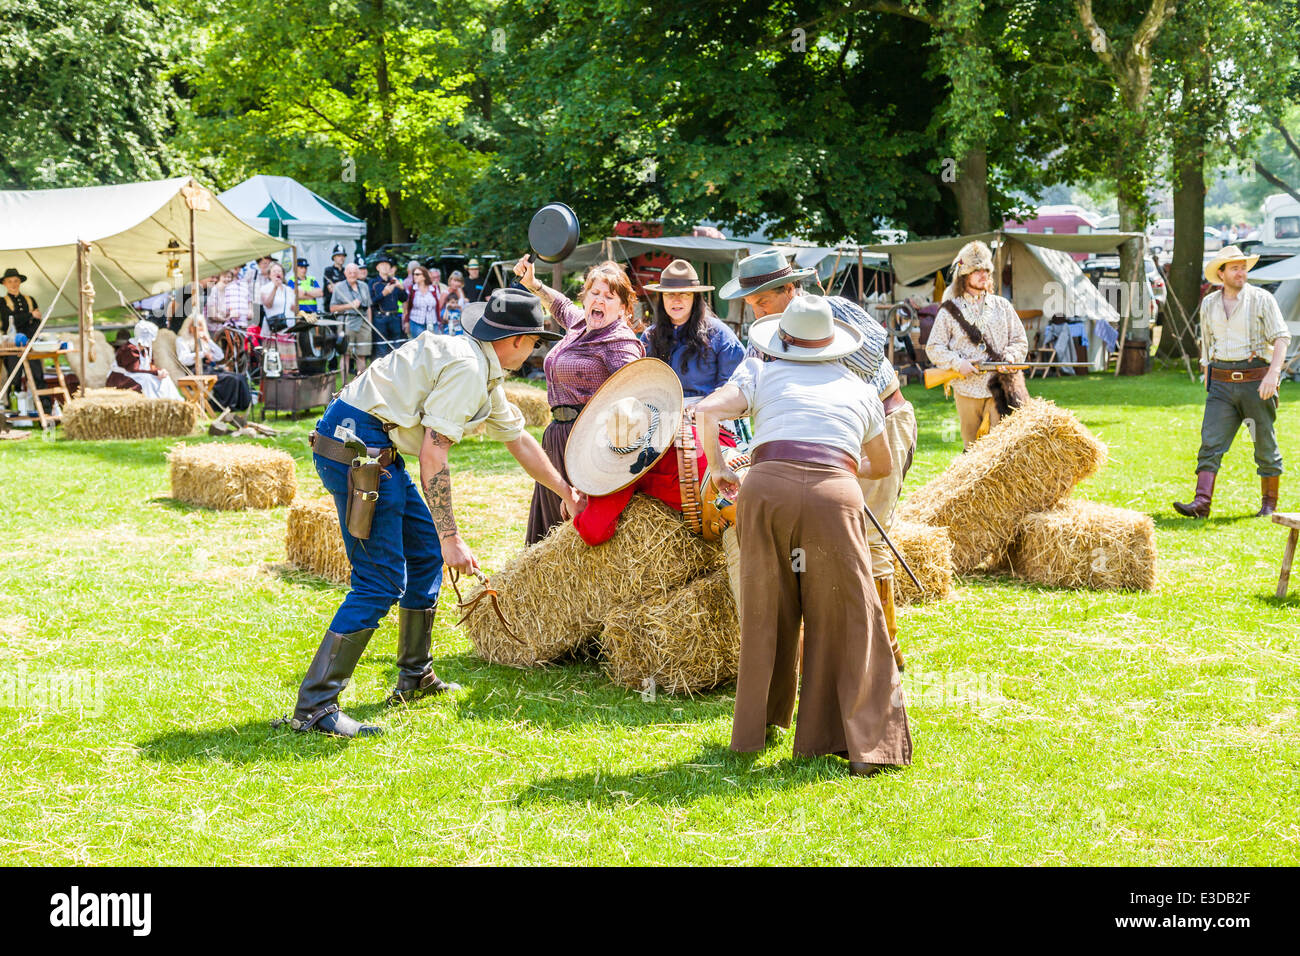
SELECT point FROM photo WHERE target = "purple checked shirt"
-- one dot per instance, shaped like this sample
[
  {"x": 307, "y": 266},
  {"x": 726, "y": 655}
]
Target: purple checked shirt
[{"x": 582, "y": 360}]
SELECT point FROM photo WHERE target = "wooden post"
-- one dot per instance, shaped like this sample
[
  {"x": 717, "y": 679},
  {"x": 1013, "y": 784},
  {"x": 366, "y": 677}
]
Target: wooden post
[
  {"x": 83, "y": 310},
  {"x": 999, "y": 263},
  {"x": 195, "y": 317},
  {"x": 862, "y": 293}
]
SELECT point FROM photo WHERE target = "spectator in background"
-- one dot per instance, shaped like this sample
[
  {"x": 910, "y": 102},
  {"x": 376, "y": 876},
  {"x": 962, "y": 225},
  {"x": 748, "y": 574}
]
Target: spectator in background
[
  {"x": 438, "y": 284},
  {"x": 454, "y": 304},
  {"x": 306, "y": 288},
  {"x": 387, "y": 296},
  {"x": 363, "y": 270},
  {"x": 421, "y": 303},
  {"x": 237, "y": 302},
  {"x": 334, "y": 272},
  {"x": 158, "y": 309},
  {"x": 351, "y": 301},
  {"x": 279, "y": 302},
  {"x": 474, "y": 283}
]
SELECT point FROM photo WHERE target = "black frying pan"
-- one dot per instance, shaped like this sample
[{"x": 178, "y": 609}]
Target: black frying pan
[{"x": 553, "y": 233}]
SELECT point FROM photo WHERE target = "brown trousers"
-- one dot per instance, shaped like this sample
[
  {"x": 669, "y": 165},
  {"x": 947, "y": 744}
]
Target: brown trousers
[
  {"x": 970, "y": 415},
  {"x": 805, "y": 557}
]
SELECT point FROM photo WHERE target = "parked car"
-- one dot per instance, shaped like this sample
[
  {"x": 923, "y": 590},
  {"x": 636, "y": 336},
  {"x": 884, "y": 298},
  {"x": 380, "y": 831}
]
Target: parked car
[{"x": 1103, "y": 272}]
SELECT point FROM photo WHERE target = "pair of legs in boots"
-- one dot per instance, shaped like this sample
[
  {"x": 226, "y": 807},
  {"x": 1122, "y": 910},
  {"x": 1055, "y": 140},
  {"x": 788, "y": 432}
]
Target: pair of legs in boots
[
  {"x": 1227, "y": 405},
  {"x": 400, "y": 563}
]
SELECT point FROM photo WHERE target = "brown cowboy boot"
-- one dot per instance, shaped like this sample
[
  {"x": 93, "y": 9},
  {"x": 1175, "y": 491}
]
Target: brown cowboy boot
[
  {"x": 416, "y": 677},
  {"x": 1268, "y": 496},
  {"x": 1199, "y": 507}
]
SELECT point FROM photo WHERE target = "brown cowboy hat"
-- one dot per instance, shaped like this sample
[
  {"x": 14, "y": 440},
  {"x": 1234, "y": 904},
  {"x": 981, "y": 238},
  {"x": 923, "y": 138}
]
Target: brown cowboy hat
[{"x": 679, "y": 276}]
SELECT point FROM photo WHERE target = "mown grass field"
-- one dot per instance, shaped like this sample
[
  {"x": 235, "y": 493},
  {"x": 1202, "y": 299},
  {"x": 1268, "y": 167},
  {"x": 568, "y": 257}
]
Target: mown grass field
[{"x": 1050, "y": 727}]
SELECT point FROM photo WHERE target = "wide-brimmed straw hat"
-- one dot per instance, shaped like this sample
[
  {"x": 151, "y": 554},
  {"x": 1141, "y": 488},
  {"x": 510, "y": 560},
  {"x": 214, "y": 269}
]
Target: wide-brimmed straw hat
[
  {"x": 679, "y": 276},
  {"x": 1227, "y": 254},
  {"x": 626, "y": 427},
  {"x": 807, "y": 331},
  {"x": 760, "y": 272}
]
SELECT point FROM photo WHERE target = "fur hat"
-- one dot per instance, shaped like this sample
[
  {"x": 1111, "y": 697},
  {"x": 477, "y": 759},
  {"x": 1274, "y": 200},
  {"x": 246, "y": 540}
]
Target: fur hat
[{"x": 971, "y": 258}]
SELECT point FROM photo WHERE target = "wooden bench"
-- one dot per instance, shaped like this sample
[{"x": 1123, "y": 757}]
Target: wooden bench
[
  {"x": 1291, "y": 521},
  {"x": 198, "y": 389}
]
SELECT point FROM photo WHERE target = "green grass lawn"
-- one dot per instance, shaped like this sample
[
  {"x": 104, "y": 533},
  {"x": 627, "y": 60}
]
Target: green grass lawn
[{"x": 147, "y": 644}]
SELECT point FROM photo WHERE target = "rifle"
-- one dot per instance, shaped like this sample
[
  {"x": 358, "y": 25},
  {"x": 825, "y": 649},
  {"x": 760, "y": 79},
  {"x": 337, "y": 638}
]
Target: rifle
[{"x": 942, "y": 376}]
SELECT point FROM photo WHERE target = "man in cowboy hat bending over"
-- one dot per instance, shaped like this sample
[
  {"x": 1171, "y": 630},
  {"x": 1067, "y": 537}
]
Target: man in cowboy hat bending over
[
  {"x": 768, "y": 284},
  {"x": 420, "y": 398},
  {"x": 1244, "y": 342}
]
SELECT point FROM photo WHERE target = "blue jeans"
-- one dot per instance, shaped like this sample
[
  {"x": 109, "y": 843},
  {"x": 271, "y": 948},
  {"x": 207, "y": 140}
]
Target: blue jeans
[
  {"x": 388, "y": 325},
  {"x": 402, "y": 558},
  {"x": 417, "y": 328}
]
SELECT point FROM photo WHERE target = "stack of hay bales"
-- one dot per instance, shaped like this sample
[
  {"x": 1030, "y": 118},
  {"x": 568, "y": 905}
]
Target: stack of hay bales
[
  {"x": 109, "y": 413},
  {"x": 313, "y": 542},
  {"x": 558, "y": 593},
  {"x": 928, "y": 551},
  {"x": 1006, "y": 505},
  {"x": 532, "y": 403},
  {"x": 232, "y": 477},
  {"x": 1029, "y": 463},
  {"x": 1083, "y": 544}
]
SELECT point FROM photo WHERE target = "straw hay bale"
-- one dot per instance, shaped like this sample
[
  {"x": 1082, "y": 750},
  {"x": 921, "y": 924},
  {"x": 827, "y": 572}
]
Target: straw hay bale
[
  {"x": 1030, "y": 462},
  {"x": 1083, "y": 544},
  {"x": 929, "y": 553},
  {"x": 105, "y": 413},
  {"x": 685, "y": 641},
  {"x": 313, "y": 542},
  {"x": 557, "y": 593},
  {"x": 230, "y": 477},
  {"x": 532, "y": 403}
]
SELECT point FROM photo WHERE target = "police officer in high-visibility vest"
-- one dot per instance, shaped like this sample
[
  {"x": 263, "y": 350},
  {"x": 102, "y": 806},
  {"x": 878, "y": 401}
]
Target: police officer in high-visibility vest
[{"x": 307, "y": 288}]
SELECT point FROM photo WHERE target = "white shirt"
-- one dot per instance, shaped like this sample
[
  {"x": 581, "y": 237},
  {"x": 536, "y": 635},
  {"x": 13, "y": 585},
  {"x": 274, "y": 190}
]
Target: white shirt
[
  {"x": 820, "y": 402},
  {"x": 439, "y": 382}
]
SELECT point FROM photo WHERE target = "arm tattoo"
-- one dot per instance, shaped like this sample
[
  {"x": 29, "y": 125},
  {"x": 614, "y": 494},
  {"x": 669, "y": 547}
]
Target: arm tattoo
[{"x": 437, "y": 491}]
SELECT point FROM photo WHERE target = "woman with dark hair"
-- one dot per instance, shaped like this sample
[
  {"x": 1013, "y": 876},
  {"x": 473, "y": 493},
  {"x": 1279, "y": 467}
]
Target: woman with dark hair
[
  {"x": 597, "y": 343},
  {"x": 687, "y": 335},
  {"x": 422, "y": 305}
]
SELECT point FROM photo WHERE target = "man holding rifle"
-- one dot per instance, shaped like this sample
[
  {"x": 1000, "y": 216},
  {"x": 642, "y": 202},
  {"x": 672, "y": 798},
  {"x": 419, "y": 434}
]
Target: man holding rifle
[{"x": 974, "y": 326}]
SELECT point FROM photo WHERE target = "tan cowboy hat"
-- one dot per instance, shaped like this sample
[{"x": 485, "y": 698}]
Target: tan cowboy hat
[
  {"x": 807, "y": 331},
  {"x": 1222, "y": 258},
  {"x": 679, "y": 276},
  {"x": 627, "y": 426}
]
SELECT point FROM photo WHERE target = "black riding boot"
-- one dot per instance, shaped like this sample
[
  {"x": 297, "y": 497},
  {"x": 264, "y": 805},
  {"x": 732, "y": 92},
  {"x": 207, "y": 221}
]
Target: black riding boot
[
  {"x": 416, "y": 678},
  {"x": 329, "y": 673}
]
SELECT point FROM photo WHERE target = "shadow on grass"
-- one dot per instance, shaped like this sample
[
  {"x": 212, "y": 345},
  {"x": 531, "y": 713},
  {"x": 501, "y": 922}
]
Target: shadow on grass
[
  {"x": 305, "y": 579},
  {"x": 1290, "y": 602},
  {"x": 716, "y": 771},
  {"x": 568, "y": 696},
  {"x": 252, "y": 742}
]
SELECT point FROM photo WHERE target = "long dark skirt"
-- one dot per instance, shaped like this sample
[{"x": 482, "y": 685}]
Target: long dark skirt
[{"x": 544, "y": 514}]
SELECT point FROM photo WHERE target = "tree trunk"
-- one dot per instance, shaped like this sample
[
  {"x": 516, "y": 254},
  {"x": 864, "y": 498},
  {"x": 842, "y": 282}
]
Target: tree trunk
[
  {"x": 398, "y": 230},
  {"x": 1189, "y": 243},
  {"x": 971, "y": 190}
]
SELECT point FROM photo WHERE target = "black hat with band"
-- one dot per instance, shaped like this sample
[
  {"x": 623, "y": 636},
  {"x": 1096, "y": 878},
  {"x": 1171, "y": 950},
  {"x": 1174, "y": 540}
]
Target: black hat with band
[{"x": 507, "y": 312}]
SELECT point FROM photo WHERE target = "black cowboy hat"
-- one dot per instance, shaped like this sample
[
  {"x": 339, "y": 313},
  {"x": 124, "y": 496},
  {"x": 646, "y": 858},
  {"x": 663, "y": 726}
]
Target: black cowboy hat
[
  {"x": 507, "y": 312},
  {"x": 11, "y": 272}
]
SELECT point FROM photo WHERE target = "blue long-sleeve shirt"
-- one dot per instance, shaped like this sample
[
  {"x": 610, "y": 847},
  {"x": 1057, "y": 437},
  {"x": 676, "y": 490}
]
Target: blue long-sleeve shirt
[{"x": 704, "y": 372}]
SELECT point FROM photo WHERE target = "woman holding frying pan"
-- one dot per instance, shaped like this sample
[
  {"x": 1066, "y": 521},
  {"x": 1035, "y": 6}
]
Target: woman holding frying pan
[{"x": 596, "y": 344}]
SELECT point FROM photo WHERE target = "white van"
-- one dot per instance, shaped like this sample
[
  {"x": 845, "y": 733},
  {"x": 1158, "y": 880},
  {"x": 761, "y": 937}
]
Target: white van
[{"x": 1281, "y": 221}]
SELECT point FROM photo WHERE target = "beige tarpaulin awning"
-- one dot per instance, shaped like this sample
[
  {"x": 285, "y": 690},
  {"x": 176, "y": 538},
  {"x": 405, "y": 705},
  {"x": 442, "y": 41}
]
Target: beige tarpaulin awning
[
  {"x": 127, "y": 227},
  {"x": 916, "y": 260}
]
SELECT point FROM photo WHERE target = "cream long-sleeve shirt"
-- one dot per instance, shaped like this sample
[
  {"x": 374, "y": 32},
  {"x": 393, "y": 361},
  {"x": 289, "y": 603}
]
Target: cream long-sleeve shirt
[{"x": 997, "y": 322}]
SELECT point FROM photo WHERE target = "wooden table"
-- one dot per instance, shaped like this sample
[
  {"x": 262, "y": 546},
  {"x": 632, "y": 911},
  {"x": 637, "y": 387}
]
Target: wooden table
[
  {"x": 60, "y": 391},
  {"x": 1291, "y": 521}
]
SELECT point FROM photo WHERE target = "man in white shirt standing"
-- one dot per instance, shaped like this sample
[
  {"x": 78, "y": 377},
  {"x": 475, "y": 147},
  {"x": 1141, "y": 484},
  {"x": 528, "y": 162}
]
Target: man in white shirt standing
[{"x": 1244, "y": 342}]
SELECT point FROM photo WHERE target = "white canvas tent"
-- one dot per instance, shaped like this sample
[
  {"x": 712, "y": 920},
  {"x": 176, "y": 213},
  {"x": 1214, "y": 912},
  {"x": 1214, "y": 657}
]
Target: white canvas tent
[
  {"x": 288, "y": 210},
  {"x": 99, "y": 245},
  {"x": 127, "y": 227}
]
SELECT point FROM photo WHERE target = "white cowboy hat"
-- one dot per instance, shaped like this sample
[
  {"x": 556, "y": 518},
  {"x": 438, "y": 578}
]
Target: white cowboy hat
[
  {"x": 1222, "y": 258},
  {"x": 626, "y": 427},
  {"x": 807, "y": 331}
]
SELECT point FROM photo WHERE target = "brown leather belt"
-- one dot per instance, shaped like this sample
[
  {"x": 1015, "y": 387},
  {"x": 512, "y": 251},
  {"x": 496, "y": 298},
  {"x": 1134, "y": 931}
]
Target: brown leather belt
[
  {"x": 327, "y": 447},
  {"x": 1238, "y": 374},
  {"x": 566, "y": 413},
  {"x": 808, "y": 451},
  {"x": 893, "y": 401}
]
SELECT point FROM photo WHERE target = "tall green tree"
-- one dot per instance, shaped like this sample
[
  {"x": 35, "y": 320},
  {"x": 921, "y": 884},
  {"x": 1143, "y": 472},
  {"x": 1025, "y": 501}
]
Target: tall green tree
[
  {"x": 86, "y": 87},
  {"x": 362, "y": 99}
]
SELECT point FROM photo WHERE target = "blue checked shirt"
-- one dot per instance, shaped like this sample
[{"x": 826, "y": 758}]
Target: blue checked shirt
[{"x": 868, "y": 362}]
